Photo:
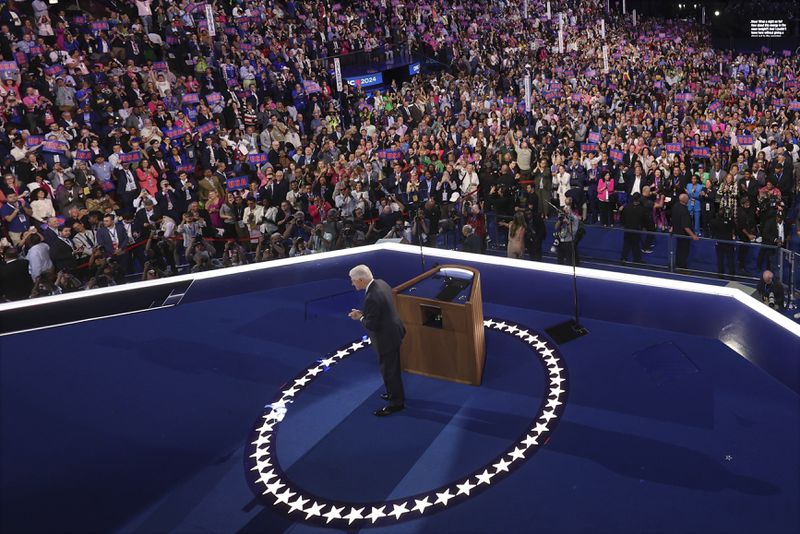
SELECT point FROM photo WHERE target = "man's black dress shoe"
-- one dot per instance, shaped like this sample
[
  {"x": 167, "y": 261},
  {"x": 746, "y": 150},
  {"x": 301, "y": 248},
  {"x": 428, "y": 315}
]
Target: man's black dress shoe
[
  {"x": 385, "y": 396},
  {"x": 388, "y": 410}
]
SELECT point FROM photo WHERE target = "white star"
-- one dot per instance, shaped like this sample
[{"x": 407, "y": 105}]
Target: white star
[
  {"x": 511, "y": 329},
  {"x": 302, "y": 381},
  {"x": 314, "y": 510},
  {"x": 500, "y": 326},
  {"x": 341, "y": 354},
  {"x": 314, "y": 371},
  {"x": 376, "y": 513},
  {"x": 421, "y": 505},
  {"x": 502, "y": 465},
  {"x": 521, "y": 334},
  {"x": 274, "y": 487},
  {"x": 556, "y": 391},
  {"x": 298, "y": 504},
  {"x": 327, "y": 362},
  {"x": 530, "y": 440},
  {"x": 552, "y": 361},
  {"x": 548, "y": 353},
  {"x": 354, "y": 514},
  {"x": 540, "y": 427},
  {"x": 548, "y": 415},
  {"x": 488, "y": 323},
  {"x": 355, "y": 346},
  {"x": 442, "y": 498},
  {"x": 465, "y": 488},
  {"x": 517, "y": 454},
  {"x": 728, "y": 457},
  {"x": 269, "y": 475},
  {"x": 540, "y": 345},
  {"x": 290, "y": 392},
  {"x": 555, "y": 371},
  {"x": 334, "y": 513},
  {"x": 556, "y": 381},
  {"x": 285, "y": 496},
  {"x": 399, "y": 510},
  {"x": 552, "y": 403},
  {"x": 261, "y": 464},
  {"x": 262, "y": 439},
  {"x": 484, "y": 478}
]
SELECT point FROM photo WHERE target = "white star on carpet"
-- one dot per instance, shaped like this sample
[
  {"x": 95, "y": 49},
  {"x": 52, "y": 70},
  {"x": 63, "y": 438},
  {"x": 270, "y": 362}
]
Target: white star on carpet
[
  {"x": 302, "y": 381},
  {"x": 399, "y": 509},
  {"x": 548, "y": 353},
  {"x": 421, "y": 505},
  {"x": 556, "y": 391},
  {"x": 334, "y": 513},
  {"x": 485, "y": 477},
  {"x": 261, "y": 464},
  {"x": 266, "y": 427},
  {"x": 556, "y": 380},
  {"x": 341, "y": 354},
  {"x": 500, "y": 326},
  {"x": 298, "y": 504},
  {"x": 511, "y": 329},
  {"x": 552, "y": 403},
  {"x": 355, "y": 513},
  {"x": 315, "y": 510},
  {"x": 290, "y": 392},
  {"x": 314, "y": 371},
  {"x": 540, "y": 345},
  {"x": 530, "y": 440},
  {"x": 502, "y": 465},
  {"x": 552, "y": 361},
  {"x": 540, "y": 427},
  {"x": 376, "y": 513},
  {"x": 465, "y": 488},
  {"x": 285, "y": 496},
  {"x": 442, "y": 498},
  {"x": 521, "y": 334},
  {"x": 274, "y": 487},
  {"x": 517, "y": 454},
  {"x": 548, "y": 415},
  {"x": 355, "y": 346},
  {"x": 266, "y": 477},
  {"x": 488, "y": 323},
  {"x": 327, "y": 362},
  {"x": 263, "y": 439}
]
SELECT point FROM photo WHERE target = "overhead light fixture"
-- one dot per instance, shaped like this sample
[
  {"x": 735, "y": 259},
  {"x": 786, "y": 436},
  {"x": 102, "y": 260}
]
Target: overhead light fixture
[{"x": 716, "y": 13}]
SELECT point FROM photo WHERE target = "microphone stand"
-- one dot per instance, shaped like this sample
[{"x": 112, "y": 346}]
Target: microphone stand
[
  {"x": 572, "y": 329},
  {"x": 416, "y": 224}
]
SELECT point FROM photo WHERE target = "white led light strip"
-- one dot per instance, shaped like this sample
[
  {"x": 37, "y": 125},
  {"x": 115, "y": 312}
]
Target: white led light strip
[{"x": 270, "y": 482}]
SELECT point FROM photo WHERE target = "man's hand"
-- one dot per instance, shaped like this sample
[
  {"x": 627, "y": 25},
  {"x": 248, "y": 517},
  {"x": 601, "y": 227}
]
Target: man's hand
[{"x": 355, "y": 315}]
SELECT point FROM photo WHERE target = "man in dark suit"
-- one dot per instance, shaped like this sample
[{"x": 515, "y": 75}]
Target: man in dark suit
[
  {"x": 112, "y": 237},
  {"x": 62, "y": 251},
  {"x": 682, "y": 226},
  {"x": 15, "y": 278},
  {"x": 386, "y": 332}
]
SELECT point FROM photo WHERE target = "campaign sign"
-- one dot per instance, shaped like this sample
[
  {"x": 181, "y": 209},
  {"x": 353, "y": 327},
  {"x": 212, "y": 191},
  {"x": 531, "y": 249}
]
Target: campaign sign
[
  {"x": 588, "y": 147},
  {"x": 590, "y": 73},
  {"x": 683, "y": 97},
  {"x": 551, "y": 95},
  {"x": 257, "y": 159},
  {"x": 594, "y": 137},
  {"x": 160, "y": 65},
  {"x": 21, "y": 58},
  {"x": 705, "y": 127},
  {"x": 53, "y": 145},
  {"x": 414, "y": 68},
  {"x": 689, "y": 143},
  {"x": 658, "y": 84},
  {"x": 36, "y": 50},
  {"x": 777, "y": 102},
  {"x": 744, "y": 140},
  {"x": 99, "y": 26},
  {"x": 7, "y": 66},
  {"x": 174, "y": 133},
  {"x": 791, "y": 84},
  {"x": 83, "y": 94},
  {"x": 230, "y": 31},
  {"x": 213, "y": 98},
  {"x": 237, "y": 183},
  {"x": 246, "y": 47},
  {"x": 770, "y": 62},
  {"x": 701, "y": 152},
  {"x": 84, "y": 155},
  {"x": 507, "y": 100},
  {"x": 34, "y": 140},
  {"x": 191, "y": 98},
  {"x": 577, "y": 97},
  {"x": 207, "y": 128},
  {"x": 130, "y": 157},
  {"x": 366, "y": 81},
  {"x": 79, "y": 19},
  {"x": 616, "y": 155},
  {"x": 393, "y": 154},
  {"x": 673, "y": 148},
  {"x": 188, "y": 168},
  {"x": 714, "y": 106},
  {"x": 54, "y": 70},
  {"x": 310, "y": 86},
  {"x": 107, "y": 185},
  {"x": 794, "y": 105}
]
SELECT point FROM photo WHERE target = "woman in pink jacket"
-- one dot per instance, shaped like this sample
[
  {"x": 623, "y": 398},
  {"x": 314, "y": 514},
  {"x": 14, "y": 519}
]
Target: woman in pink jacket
[{"x": 605, "y": 188}]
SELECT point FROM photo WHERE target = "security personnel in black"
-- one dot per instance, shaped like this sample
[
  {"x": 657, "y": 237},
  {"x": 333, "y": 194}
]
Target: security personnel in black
[
  {"x": 722, "y": 228},
  {"x": 633, "y": 218},
  {"x": 745, "y": 229}
]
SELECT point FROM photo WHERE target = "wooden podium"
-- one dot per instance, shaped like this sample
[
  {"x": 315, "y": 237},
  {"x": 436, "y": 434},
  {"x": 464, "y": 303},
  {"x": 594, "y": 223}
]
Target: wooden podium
[{"x": 442, "y": 311}]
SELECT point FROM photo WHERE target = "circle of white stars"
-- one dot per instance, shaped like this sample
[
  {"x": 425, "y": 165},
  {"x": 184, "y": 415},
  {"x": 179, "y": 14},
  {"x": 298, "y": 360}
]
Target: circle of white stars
[{"x": 269, "y": 480}]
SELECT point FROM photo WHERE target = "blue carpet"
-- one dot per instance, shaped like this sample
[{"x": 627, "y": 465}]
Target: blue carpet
[{"x": 142, "y": 427}]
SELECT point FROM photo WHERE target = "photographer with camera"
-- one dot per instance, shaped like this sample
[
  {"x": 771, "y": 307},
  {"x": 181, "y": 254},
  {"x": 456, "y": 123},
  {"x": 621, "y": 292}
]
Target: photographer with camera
[
  {"x": 420, "y": 229},
  {"x": 567, "y": 226},
  {"x": 770, "y": 291}
]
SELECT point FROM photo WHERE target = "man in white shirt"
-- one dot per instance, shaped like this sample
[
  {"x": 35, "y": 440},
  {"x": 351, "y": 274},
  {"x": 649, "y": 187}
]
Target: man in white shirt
[{"x": 38, "y": 257}]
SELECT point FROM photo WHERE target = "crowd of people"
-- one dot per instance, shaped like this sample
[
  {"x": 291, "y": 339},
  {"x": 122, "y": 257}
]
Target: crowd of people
[{"x": 141, "y": 141}]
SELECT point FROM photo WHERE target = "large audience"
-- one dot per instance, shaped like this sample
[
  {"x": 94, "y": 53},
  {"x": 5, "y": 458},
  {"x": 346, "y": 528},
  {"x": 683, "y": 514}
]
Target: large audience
[{"x": 146, "y": 143}]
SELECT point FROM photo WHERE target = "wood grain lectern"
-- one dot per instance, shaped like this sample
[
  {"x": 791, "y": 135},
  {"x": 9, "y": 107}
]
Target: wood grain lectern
[{"x": 443, "y": 314}]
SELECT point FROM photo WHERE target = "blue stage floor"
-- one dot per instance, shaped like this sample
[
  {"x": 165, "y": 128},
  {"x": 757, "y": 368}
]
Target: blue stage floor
[{"x": 140, "y": 423}]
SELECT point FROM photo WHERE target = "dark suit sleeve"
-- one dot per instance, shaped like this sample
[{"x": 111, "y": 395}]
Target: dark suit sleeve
[{"x": 373, "y": 312}]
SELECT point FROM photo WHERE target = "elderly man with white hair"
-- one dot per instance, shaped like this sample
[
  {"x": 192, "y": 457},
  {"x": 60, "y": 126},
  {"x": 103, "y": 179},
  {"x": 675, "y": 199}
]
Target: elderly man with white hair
[{"x": 379, "y": 316}]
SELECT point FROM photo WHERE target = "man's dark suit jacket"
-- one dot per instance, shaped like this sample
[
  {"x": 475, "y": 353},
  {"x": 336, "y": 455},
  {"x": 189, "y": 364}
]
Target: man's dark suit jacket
[
  {"x": 104, "y": 238},
  {"x": 15, "y": 280},
  {"x": 62, "y": 256},
  {"x": 381, "y": 320}
]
